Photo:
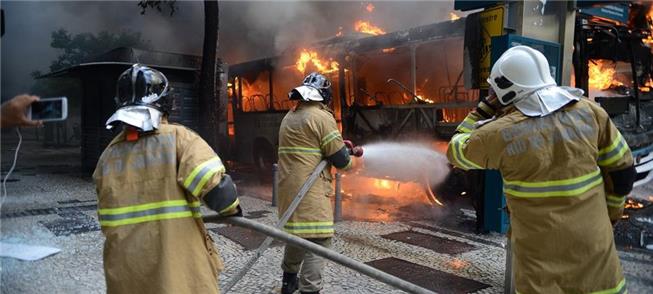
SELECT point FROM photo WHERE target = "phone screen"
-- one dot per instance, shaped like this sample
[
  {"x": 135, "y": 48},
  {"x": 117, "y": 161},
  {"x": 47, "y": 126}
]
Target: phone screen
[{"x": 52, "y": 109}]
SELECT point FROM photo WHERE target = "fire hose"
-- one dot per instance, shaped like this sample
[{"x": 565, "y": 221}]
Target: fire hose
[
  {"x": 336, "y": 257},
  {"x": 282, "y": 222}
]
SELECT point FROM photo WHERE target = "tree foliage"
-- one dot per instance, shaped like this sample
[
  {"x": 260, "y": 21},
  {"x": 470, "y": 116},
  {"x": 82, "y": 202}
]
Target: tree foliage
[
  {"x": 80, "y": 47},
  {"x": 158, "y": 5}
]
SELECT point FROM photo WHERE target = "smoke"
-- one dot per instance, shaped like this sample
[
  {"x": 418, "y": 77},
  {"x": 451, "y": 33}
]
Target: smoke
[
  {"x": 248, "y": 30},
  {"x": 405, "y": 162}
]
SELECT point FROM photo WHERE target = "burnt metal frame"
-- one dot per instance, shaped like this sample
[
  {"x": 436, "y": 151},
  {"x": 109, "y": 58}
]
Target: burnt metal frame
[{"x": 581, "y": 58}]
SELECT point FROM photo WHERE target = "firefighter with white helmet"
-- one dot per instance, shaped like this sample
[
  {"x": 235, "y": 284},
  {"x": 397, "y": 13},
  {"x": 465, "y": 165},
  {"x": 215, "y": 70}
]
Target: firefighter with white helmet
[
  {"x": 150, "y": 180},
  {"x": 566, "y": 171},
  {"x": 307, "y": 135}
]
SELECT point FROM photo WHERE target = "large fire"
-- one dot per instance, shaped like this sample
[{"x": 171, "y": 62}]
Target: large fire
[
  {"x": 602, "y": 75},
  {"x": 368, "y": 28},
  {"x": 311, "y": 58}
]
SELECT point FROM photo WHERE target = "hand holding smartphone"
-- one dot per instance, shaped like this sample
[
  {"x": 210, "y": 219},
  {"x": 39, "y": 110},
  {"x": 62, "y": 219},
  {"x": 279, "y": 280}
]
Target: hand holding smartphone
[{"x": 48, "y": 109}]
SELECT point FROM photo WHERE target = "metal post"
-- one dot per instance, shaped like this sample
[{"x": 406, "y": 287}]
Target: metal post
[
  {"x": 508, "y": 286},
  {"x": 323, "y": 252},
  {"x": 337, "y": 211},
  {"x": 282, "y": 222},
  {"x": 275, "y": 184}
]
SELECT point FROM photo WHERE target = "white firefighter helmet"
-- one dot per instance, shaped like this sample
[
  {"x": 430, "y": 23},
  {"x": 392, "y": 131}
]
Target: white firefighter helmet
[
  {"x": 519, "y": 72},
  {"x": 315, "y": 87}
]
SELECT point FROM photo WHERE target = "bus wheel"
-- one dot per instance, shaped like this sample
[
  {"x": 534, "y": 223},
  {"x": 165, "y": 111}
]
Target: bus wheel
[{"x": 263, "y": 159}]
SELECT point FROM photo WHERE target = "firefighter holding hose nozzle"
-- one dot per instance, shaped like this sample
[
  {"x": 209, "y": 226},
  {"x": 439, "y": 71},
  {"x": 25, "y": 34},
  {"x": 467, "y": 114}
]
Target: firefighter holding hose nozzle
[
  {"x": 150, "y": 180},
  {"x": 309, "y": 134},
  {"x": 566, "y": 171}
]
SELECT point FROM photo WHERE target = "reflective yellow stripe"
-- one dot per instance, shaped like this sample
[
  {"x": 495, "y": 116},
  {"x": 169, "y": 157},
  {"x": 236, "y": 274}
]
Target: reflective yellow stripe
[
  {"x": 294, "y": 224},
  {"x": 206, "y": 178},
  {"x": 197, "y": 169},
  {"x": 330, "y": 137},
  {"x": 141, "y": 207},
  {"x": 616, "y": 201},
  {"x": 230, "y": 207},
  {"x": 467, "y": 125},
  {"x": 458, "y": 152},
  {"x": 486, "y": 108},
  {"x": 283, "y": 150},
  {"x": 348, "y": 166},
  {"x": 148, "y": 218},
  {"x": 309, "y": 231},
  {"x": 111, "y": 217},
  {"x": 612, "y": 146},
  {"x": 309, "y": 227},
  {"x": 567, "y": 187},
  {"x": 614, "y": 152},
  {"x": 618, "y": 289}
]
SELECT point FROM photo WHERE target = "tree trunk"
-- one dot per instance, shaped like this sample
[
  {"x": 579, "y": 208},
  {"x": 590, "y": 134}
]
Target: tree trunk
[{"x": 211, "y": 108}]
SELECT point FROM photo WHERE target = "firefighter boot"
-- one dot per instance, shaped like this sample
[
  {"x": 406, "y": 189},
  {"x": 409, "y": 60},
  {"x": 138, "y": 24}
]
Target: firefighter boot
[{"x": 289, "y": 283}]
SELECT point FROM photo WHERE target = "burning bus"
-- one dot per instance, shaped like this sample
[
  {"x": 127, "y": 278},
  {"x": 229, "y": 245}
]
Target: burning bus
[
  {"x": 392, "y": 86},
  {"x": 386, "y": 86}
]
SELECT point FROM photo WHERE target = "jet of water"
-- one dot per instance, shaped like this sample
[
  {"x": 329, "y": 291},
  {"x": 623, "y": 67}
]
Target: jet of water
[{"x": 412, "y": 162}]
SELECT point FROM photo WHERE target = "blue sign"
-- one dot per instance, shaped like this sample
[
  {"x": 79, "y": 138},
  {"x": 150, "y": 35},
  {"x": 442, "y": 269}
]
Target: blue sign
[{"x": 616, "y": 11}]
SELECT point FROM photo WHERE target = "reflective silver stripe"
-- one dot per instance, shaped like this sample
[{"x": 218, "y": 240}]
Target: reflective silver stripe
[
  {"x": 616, "y": 201},
  {"x": 467, "y": 124},
  {"x": 604, "y": 157},
  {"x": 558, "y": 188},
  {"x": 155, "y": 211},
  {"x": 206, "y": 169}
]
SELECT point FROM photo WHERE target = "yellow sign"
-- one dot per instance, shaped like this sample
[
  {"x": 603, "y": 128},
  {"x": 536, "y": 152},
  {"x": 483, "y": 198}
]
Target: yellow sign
[{"x": 491, "y": 26}]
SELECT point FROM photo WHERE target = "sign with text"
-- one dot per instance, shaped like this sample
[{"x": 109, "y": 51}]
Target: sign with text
[{"x": 491, "y": 26}]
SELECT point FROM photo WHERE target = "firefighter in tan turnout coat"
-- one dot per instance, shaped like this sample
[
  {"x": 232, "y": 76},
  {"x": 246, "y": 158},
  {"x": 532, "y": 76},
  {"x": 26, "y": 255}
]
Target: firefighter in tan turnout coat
[
  {"x": 566, "y": 171},
  {"x": 308, "y": 134},
  {"x": 150, "y": 180}
]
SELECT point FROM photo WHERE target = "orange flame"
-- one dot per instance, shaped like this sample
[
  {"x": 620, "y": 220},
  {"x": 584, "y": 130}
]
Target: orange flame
[
  {"x": 368, "y": 28},
  {"x": 370, "y": 7},
  {"x": 647, "y": 86},
  {"x": 340, "y": 33},
  {"x": 649, "y": 17},
  {"x": 601, "y": 75},
  {"x": 632, "y": 204},
  {"x": 453, "y": 16},
  {"x": 309, "y": 57},
  {"x": 383, "y": 184}
]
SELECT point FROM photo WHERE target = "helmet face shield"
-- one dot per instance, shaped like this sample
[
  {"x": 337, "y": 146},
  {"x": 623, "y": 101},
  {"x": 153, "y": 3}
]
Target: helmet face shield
[
  {"x": 141, "y": 85},
  {"x": 321, "y": 84}
]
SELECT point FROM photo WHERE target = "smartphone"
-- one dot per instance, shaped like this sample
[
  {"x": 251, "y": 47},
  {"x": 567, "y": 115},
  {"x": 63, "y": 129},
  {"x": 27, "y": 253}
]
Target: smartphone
[{"x": 49, "y": 109}]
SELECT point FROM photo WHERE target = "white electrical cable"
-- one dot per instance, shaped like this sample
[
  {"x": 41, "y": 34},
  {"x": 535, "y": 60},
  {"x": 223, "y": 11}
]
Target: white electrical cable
[{"x": 13, "y": 165}]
